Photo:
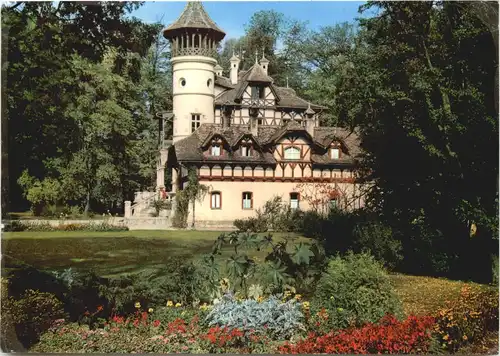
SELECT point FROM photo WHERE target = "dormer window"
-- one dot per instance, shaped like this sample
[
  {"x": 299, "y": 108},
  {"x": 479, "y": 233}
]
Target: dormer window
[
  {"x": 215, "y": 150},
  {"x": 292, "y": 153},
  {"x": 335, "y": 150},
  {"x": 334, "y": 153},
  {"x": 216, "y": 147},
  {"x": 246, "y": 146}
]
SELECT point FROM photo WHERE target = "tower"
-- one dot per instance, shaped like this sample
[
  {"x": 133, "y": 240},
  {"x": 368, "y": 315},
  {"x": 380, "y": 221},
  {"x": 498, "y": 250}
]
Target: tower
[{"x": 193, "y": 39}]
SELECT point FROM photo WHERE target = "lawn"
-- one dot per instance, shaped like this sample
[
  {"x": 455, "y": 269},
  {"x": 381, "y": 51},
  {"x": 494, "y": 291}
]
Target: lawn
[{"x": 109, "y": 253}]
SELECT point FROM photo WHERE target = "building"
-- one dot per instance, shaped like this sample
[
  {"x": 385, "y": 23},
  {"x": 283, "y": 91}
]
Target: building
[{"x": 248, "y": 138}]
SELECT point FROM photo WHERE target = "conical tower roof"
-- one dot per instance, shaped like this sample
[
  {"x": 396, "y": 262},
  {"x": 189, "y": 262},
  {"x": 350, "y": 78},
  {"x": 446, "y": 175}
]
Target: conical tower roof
[{"x": 195, "y": 17}]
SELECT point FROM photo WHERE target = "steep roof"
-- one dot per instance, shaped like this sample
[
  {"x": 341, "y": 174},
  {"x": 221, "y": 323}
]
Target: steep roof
[
  {"x": 194, "y": 16},
  {"x": 285, "y": 97},
  {"x": 189, "y": 149}
]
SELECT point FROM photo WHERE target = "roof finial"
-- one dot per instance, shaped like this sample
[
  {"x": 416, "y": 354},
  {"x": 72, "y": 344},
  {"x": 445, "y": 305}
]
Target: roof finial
[
  {"x": 256, "y": 56},
  {"x": 263, "y": 50},
  {"x": 287, "y": 81}
]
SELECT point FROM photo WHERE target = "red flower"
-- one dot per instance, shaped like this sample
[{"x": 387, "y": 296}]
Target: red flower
[{"x": 156, "y": 323}]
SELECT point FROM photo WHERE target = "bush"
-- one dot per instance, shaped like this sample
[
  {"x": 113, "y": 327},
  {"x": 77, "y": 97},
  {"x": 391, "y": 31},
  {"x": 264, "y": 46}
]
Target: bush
[
  {"x": 32, "y": 226},
  {"x": 412, "y": 335},
  {"x": 251, "y": 225},
  {"x": 467, "y": 319},
  {"x": 376, "y": 238},
  {"x": 355, "y": 290},
  {"x": 32, "y": 314},
  {"x": 274, "y": 215},
  {"x": 282, "y": 320}
]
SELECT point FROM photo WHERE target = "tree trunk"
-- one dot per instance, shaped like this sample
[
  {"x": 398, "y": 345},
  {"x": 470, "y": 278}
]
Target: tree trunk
[
  {"x": 194, "y": 204},
  {"x": 87, "y": 204}
]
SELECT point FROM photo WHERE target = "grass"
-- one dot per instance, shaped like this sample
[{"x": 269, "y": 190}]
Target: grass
[
  {"x": 422, "y": 295},
  {"x": 110, "y": 253}
]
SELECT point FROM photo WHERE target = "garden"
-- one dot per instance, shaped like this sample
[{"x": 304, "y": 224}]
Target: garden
[{"x": 238, "y": 292}]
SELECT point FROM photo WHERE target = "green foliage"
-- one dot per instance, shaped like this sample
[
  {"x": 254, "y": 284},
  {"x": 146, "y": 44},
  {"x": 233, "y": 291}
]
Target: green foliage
[
  {"x": 300, "y": 267},
  {"x": 495, "y": 269},
  {"x": 193, "y": 192},
  {"x": 32, "y": 314},
  {"x": 355, "y": 290},
  {"x": 377, "y": 239},
  {"x": 161, "y": 204},
  {"x": 282, "y": 320},
  {"x": 16, "y": 225},
  {"x": 275, "y": 215}
]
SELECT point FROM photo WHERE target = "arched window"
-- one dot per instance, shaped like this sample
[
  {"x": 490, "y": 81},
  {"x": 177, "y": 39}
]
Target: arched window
[
  {"x": 292, "y": 153},
  {"x": 215, "y": 200},
  {"x": 247, "y": 201}
]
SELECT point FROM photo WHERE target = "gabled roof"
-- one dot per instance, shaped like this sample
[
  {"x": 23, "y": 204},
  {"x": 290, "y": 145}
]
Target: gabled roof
[
  {"x": 194, "y": 16},
  {"x": 291, "y": 126},
  {"x": 189, "y": 149},
  {"x": 285, "y": 97}
]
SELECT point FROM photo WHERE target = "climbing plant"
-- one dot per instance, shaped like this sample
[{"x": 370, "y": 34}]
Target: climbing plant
[{"x": 193, "y": 192}]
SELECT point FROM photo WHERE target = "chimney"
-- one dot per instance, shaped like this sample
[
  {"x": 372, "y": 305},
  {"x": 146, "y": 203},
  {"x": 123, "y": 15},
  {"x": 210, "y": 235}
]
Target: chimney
[
  {"x": 235, "y": 66},
  {"x": 254, "y": 121},
  {"x": 264, "y": 63},
  {"x": 218, "y": 70},
  {"x": 310, "y": 121}
]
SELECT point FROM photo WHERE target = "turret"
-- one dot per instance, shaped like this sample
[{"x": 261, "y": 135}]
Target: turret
[
  {"x": 264, "y": 63},
  {"x": 193, "y": 39}
]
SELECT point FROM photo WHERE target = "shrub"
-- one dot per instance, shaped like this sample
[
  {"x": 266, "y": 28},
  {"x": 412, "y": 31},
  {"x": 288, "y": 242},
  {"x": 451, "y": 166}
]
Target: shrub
[
  {"x": 467, "y": 319},
  {"x": 376, "y": 238},
  {"x": 280, "y": 319},
  {"x": 32, "y": 226},
  {"x": 355, "y": 289},
  {"x": 32, "y": 314},
  {"x": 412, "y": 335},
  {"x": 274, "y": 215},
  {"x": 251, "y": 225}
]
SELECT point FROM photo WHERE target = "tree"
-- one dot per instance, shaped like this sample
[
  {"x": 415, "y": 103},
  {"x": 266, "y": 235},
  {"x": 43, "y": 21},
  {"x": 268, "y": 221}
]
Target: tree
[
  {"x": 425, "y": 107},
  {"x": 42, "y": 39}
]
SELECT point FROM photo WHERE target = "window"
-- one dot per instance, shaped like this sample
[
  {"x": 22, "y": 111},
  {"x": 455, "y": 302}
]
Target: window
[
  {"x": 245, "y": 151},
  {"x": 259, "y": 121},
  {"x": 333, "y": 204},
  {"x": 294, "y": 200},
  {"x": 215, "y": 151},
  {"x": 247, "y": 200},
  {"x": 292, "y": 153},
  {"x": 262, "y": 93},
  {"x": 195, "y": 122},
  {"x": 182, "y": 81},
  {"x": 335, "y": 153},
  {"x": 215, "y": 200},
  {"x": 258, "y": 93},
  {"x": 209, "y": 82}
]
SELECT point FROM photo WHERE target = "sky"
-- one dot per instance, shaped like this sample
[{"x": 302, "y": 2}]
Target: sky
[{"x": 231, "y": 16}]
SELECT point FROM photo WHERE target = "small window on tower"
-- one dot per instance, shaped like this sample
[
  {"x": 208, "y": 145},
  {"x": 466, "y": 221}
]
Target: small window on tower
[
  {"x": 262, "y": 93},
  {"x": 195, "y": 122}
]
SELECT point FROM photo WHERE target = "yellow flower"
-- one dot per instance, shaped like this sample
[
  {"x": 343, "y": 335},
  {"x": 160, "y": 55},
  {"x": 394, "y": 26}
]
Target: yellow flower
[
  {"x": 138, "y": 305},
  {"x": 446, "y": 337},
  {"x": 298, "y": 296},
  {"x": 177, "y": 305},
  {"x": 331, "y": 298},
  {"x": 305, "y": 305},
  {"x": 260, "y": 299},
  {"x": 204, "y": 306},
  {"x": 170, "y": 303},
  {"x": 150, "y": 310}
]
